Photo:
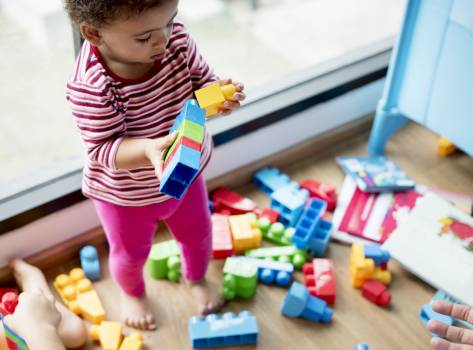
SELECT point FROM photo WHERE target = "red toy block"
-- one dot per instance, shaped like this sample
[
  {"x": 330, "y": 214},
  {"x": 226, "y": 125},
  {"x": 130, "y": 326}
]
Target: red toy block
[
  {"x": 320, "y": 279},
  {"x": 231, "y": 203},
  {"x": 4, "y": 291},
  {"x": 222, "y": 243},
  {"x": 322, "y": 191},
  {"x": 376, "y": 292},
  {"x": 184, "y": 141},
  {"x": 271, "y": 214},
  {"x": 8, "y": 303}
]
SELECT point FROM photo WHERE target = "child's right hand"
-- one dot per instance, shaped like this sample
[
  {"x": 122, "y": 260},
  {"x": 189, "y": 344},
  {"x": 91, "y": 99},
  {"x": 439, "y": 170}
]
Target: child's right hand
[{"x": 155, "y": 150}]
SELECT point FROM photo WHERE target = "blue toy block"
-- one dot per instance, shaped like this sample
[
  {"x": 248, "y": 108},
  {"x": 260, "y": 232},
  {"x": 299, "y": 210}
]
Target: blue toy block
[
  {"x": 319, "y": 242},
  {"x": 289, "y": 201},
  {"x": 270, "y": 271},
  {"x": 441, "y": 295},
  {"x": 269, "y": 180},
  {"x": 299, "y": 303},
  {"x": 426, "y": 314},
  {"x": 306, "y": 226},
  {"x": 227, "y": 330},
  {"x": 374, "y": 251},
  {"x": 180, "y": 172},
  {"x": 362, "y": 347},
  {"x": 90, "y": 262},
  {"x": 190, "y": 111}
]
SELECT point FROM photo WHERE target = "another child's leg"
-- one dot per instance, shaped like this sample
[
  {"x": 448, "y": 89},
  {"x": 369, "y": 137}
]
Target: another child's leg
[
  {"x": 71, "y": 330},
  {"x": 192, "y": 227},
  {"x": 129, "y": 232}
]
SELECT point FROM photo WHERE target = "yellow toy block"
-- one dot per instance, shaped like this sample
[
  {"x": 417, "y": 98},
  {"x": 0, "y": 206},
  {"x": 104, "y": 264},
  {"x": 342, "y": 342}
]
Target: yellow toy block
[
  {"x": 109, "y": 334},
  {"x": 381, "y": 275},
  {"x": 363, "y": 269},
  {"x": 445, "y": 147},
  {"x": 132, "y": 342},
  {"x": 76, "y": 291},
  {"x": 212, "y": 97},
  {"x": 245, "y": 232}
]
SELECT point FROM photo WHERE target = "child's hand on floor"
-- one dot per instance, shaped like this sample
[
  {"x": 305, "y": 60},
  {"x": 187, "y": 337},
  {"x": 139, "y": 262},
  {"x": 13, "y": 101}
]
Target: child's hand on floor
[
  {"x": 155, "y": 150},
  {"x": 237, "y": 97},
  {"x": 456, "y": 338}
]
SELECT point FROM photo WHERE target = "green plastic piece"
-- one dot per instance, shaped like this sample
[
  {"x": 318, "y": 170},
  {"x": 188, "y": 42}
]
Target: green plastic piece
[
  {"x": 276, "y": 233},
  {"x": 190, "y": 130},
  {"x": 239, "y": 280},
  {"x": 164, "y": 261},
  {"x": 289, "y": 254}
]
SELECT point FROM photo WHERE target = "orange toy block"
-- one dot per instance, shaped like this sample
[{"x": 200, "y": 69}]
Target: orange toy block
[
  {"x": 132, "y": 342},
  {"x": 245, "y": 232},
  {"x": 212, "y": 97},
  {"x": 109, "y": 334},
  {"x": 445, "y": 147}
]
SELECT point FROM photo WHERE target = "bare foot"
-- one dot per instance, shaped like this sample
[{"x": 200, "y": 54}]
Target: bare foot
[
  {"x": 208, "y": 300},
  {"x": 71, "y": 330},
  {"x": 135, "y": 312}
]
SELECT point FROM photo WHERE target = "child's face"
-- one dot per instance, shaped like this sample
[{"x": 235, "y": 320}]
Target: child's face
[{"x": 142, "y": 38}]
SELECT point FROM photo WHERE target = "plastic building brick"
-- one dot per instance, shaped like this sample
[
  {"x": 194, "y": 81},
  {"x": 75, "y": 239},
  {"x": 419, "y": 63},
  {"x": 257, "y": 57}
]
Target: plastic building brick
[
  {"x": 289, "y": 254},
  {"x": 226, "y": 330},
  {"x": 320, "y": 240},
  {"x": 270, "y": 271},
  {"x": 78, "y": 294},
  {"x": 320, "y": 279},
  {"x": 222, "y": 244},
  {"x": 299, "y": 303},
  {"x": 276, "y": 233},
  {"x": 132, "y": 342},
  {"x": 362, "y": 347},
  {"x": 441, "y": 295},
  {"x": 4, "y": 291},
  {"x": 90, "y": 263},
  {"x": 445, "y": 147},
  {"x": 8, "y": 303},
  {"x": 271, "y": 214},
  {"x": 239, "y": 279},
  {"x": 376, "y": 292},
  {"x": 164, "y": 261},
  {"x": 426, "y": 314},
  {"x": 109, "y": 334},
  {"x": 374, "y": 251},
  {"x": 321, "y": 191},
  {"x": 13, "y": 340},
  {"x": 212, "y": 97},
  {"x": 363, "y": 269},
  {"x": 269, "y": 180},
  {"x": 231, "y": 203},
  {"x": 289, "y": 201},
  {"x": 245, "y": 232}
]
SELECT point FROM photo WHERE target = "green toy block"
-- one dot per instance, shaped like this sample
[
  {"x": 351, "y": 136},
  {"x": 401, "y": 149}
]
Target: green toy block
[
  {"x": 290, "y": 254},
  {"x": 239, "y": 279},
  {"x": 164, "y": 261},
  {"x": 276, "y": 233},
  {"x": 191, "y": 130}
]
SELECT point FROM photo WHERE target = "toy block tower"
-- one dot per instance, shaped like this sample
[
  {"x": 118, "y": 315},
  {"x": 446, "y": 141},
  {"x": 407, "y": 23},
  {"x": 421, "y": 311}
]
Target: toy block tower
[
  {"x": 212, "y": 97},
  {"x": 164, "y": 261},
  {"x": 182, "y": 160}
]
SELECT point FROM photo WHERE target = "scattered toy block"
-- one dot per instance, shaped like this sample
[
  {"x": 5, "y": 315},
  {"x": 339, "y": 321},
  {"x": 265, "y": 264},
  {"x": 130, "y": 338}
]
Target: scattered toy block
[
  {"x": 271, "y": 214},
  {"x": 90, "y": 263},
  {"x": 230, "y": 202},
  {"x": 362, "y": 347},
  {"x": 289, "y": 254},
  {"x": 320, "y": 279},
  {"x": 319, "y": 243},
  {"x": 212, "y": 97},
  {"x": 299, "y": 303},
  {"x": 441, "y": 295},
  {"x": 4, "y": 291},
  {"x": 227, "y": 330},
  {"x": 109, "y": 334},
  {"x": 376, "y": 292},
  {"x": 321, "y": 191},
  {"x": 269, "y": 180},
  {"x": 222, "y": 243},
  {"x": 426, "y": 314},
  {"x": 363, "y": 269},
  {"x": 270, "y": 271},
  {"x": 239, "y": 279},
  {"x": 276, "y": 232},
  {"x": 245, "y": 232},
  {"x": 289, "y": 201},
  {"x": 445, "y": 147},
  {"x": 8, "y": 302},
  {"x": 375, "y": 252},
  {"x": 164, "y": 261},
  {"x": 132, "y": 342}
]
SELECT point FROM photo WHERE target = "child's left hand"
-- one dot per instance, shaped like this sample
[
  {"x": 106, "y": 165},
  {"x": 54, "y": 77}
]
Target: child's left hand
[{"x": 237, "y": 97}]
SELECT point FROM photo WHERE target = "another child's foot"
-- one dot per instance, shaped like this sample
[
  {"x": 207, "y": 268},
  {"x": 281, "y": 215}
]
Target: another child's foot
[
  {"x": 136, "y": 314},
  {"x": 208, "y": 301}
]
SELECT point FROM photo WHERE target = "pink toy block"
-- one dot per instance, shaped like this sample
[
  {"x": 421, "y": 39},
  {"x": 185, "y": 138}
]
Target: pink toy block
[
  {"x": 222, "y": 242},
  {"x": 322, "y": 191},
  {"x": 271, "y": 214},
  {"x": 320, "y": 279},
  {"x": 231, "y": 203},
  {"x": 376, "y": 292}
]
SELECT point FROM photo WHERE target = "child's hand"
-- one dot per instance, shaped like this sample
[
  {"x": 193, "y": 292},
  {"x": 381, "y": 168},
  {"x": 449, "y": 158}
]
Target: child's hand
[
  {"x": 456, "y": 338},
  {"x": 155, "y": 150},
  {"x": 237, "y": 97}
]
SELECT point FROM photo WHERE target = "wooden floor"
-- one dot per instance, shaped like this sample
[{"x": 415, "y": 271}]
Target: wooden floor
[{"x": 355, "y": 320}]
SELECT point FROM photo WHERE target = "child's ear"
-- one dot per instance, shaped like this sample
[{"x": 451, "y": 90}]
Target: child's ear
[{"x": 90, "y": 33}]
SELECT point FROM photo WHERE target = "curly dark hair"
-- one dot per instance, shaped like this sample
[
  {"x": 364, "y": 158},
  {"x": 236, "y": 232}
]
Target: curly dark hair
[{"x": 100, "y": 12}]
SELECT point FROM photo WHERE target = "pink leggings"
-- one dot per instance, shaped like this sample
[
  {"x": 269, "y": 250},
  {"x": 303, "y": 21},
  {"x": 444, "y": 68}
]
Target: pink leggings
[{"x": 130, "y": 232}]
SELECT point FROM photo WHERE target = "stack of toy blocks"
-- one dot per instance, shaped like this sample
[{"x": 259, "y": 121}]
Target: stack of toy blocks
[
  {"x": 78, "y": 294},
  {"x": 320, "y": 279},
  {"x": 269, "y": 180},
  {"x": 110, "y": 336},
  {"x": 276, "y": 232},
  {"x": 13, "y": 340},
  {"x": 231, "y": 203},
  {"x": 8, "y": 301},
  {"x": 289, "y": 201},
  {"x": 164, "y": 261},
  {"x": 227, "y": 330},
  {"x": 270, "y": 271},
  {"x": 313, "y": 232},
  {"x": 299, "y": 303},
  {"x": 245, "y": 232},
  {"x": 212, "y": 97},
  {"x": 182, "y": 160},
  {"x": 239, "y": 279},
  {"x": 89, "y": 261},
  {"x": 222, "y": 244},
  {"x": 321, "y": 191},
  {"x": 289, "y": 254}
]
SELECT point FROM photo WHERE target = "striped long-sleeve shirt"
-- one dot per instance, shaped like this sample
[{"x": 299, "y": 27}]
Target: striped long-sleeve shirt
[{"x": 107, "y": 108}]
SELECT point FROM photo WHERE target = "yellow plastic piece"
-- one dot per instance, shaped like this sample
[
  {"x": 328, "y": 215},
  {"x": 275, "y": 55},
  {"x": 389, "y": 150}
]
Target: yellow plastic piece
[
  {"x": 383, "y": 276},
  {"x": 132, "y": 342},
  {"x": 445, "y": 147},
  {"x": 212, "y": 97},
  {"x": 361, "y": 269},
  {"x": 110, "y": 335},
  {"x": 245, "y": 232}
]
